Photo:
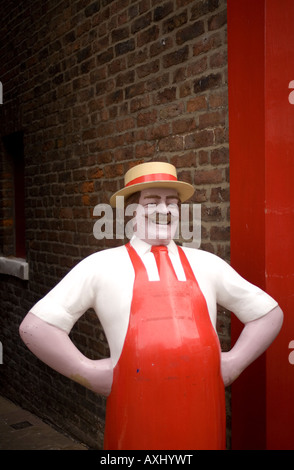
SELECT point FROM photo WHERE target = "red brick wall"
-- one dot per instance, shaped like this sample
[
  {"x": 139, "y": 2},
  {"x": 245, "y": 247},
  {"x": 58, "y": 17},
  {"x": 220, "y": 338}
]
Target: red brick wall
[{"x": 97, "y": 87}]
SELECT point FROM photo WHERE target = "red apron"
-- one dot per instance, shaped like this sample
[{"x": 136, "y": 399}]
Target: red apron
[{"x": 167, "y": 390}]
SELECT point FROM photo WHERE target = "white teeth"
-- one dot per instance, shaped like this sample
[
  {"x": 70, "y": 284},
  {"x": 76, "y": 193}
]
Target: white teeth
[{"x": 159, "y": 220}]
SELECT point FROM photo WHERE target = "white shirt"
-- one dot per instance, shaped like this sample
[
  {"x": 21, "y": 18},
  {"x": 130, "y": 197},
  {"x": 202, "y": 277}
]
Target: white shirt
[{"x": 104, "y": 281}]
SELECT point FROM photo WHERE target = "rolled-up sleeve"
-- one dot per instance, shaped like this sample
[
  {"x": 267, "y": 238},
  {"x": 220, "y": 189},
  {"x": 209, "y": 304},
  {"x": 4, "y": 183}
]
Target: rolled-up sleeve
[
  {"x": 70, "y": 298},
  {"x": 247, "y": 301}
]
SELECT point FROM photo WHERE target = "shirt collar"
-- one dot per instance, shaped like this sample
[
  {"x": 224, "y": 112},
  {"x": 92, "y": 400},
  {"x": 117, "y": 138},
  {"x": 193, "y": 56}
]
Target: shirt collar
[{"x": 142, "y": 247}]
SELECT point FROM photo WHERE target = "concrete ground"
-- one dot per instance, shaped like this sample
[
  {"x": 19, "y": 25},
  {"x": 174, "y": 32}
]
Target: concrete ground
[{"x": 21, "y": 430}]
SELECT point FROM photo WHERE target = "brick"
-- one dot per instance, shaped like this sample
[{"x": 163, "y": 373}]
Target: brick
[
  {"x": 207, "y": 82},
  {"x": 219, "y": 99},
  {"x": 190, "y": 32},
  {"x": 147, "y": 118},
  {"x": 172, "y": 110},
  {"x": 203, "y": 7},
  {"x": 144, "y": 150},
  {"x": 92, "y": 8},
  {"x": 183, "y": 125},
  {"x": 134, "y": 90},
  {"x": 218, "y": 60},
  {"x": 220, "y": 156},
  {"x": 207, "y": 43},
  {"x": 147, "y": 69},
  {"x": 125, "y": 78},
  {"x": 141, "y": 23},
  {"x": 203, "y": 157},
  {"x": 165, "y": 96},
  {"x": 220, "y": 233},
  {"x": 173, "y": 143},
  {"x": 125, "y": 124},
  {"x": 111, "y": 171},
  {"x": 160, "y": 46},
  {"x": 158, "y": 131},
  {"x": 125, "y": 153},
  {"x": 208, "y": 176},
  {"x": 157, "y": 83},
  {"x": 221, "y": 135},
  {"x": 220, "y": 195},
  {"x": 197, "y": 67},
  {"x": 105, "y": 56},
  {"x": 124, "y": 47},
  {"x": 199, "y": 139},
  {"x": 115, "y": 97},
  {"x": 184, "y": 160},
  {"x": 140, "y": 103},
  {"x": 211, "y": 214},
  {"x": 96, "y": 173},
  {"x": 116, "y": 66},
  {"x": 185, "y": 90},
  {"x": 137, "y": 57},
  {"x": 119, "y": 34},
  {"x": 162, "y": 11},
  {"x": 217, "y": 21},
  {"x": 176, "y": 57},
  {"x": 147, "y": 36},
  {"x": 87, "y": 187},
  {"x": 66, "y": 213},
  {"x": 174, "y": 22},
  {"x": 212, "y": 119},
  {"x": 84, "y": 54},
  {"x": 196, "y": 104}
]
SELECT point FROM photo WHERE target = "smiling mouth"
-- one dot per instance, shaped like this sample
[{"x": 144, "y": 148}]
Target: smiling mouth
[{"x": 160, "y": 219}]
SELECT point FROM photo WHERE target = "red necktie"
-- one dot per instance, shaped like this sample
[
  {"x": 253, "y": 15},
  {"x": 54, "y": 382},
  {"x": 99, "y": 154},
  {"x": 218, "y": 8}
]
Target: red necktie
[{"x": 164, "y": 265}]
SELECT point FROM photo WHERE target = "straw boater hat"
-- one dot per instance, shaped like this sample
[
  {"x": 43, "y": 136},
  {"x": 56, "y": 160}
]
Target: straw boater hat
[{"x": 153, "y": 175}]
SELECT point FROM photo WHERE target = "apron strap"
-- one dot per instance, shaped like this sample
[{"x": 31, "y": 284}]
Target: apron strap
[
  {"x": 137, "y": 263},
  {"x": 190, "y": 276}
]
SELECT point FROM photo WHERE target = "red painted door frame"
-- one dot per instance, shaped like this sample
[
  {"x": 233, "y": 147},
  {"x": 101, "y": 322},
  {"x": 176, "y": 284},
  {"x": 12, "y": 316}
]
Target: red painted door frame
[{"x": 261, "y": 126}]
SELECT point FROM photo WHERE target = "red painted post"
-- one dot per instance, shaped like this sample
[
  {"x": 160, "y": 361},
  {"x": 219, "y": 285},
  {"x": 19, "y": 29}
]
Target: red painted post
[
  {"x": 279, "y": 229},
  {"x": 261, "y": 125}
]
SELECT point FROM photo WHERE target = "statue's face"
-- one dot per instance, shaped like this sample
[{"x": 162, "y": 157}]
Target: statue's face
[{"x": 157, "y": 215}]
